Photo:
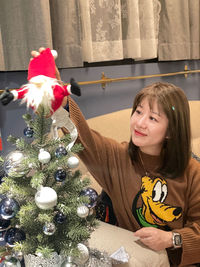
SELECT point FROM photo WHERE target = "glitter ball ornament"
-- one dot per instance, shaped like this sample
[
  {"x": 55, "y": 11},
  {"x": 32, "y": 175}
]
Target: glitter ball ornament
[
  {"x": 44, "y": 156},
  {"x": 13, "y": 163},
  {"x": 61, "y": 151},
  {"x": 60, "y": 218},
  {"x": 72, "y": 162},
  {"x": 4, "y": 224},
  {"x": 8, "y": 208},
  {"x": 92, "y": 194},
  {"x": 60, "y": 175},
  {"x": 28, "y": 132},
  {"x": 14, "y": 235},
  {"x": 83, "y": 256},
  {"x": 49, "y": 228},
  {"x": 82, "y": 211}
]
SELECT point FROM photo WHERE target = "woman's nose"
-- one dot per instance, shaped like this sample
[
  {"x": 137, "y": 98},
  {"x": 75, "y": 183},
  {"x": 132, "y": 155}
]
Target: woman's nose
[{"x": 142, "y": 122}]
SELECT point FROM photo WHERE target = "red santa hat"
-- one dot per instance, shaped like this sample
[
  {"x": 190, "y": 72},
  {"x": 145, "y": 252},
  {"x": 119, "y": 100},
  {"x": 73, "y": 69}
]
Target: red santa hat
[{"x": 44, "y": 64}]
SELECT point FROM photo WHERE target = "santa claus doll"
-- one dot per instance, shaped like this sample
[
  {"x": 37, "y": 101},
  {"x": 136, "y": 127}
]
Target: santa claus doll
[{"x": 42, "y": 87}]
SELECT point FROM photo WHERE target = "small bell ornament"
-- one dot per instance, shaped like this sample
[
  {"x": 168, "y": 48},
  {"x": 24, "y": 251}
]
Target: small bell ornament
[
  {"x": 8, "y": 208},
  {"x": 72, "y": 162},
  {"x": 82, "y": 211},
  {"x": 46, "y": 198},
  {"x": 68, "y": 262},
  {"x": 61, "y": 151},
  {"x": 14, "y": 235},
  {"x": 28, "y": 132},
  {"x": 44, "y": 156},
  {"x": 49, "y": 228}
]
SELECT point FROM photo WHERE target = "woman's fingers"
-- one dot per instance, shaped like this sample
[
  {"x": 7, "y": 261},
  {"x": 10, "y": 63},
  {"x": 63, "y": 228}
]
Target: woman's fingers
[
  {"x": 34, "y": 53},
  {"x": 37, "y": 53},
  {"x": 41, "y": 49}
]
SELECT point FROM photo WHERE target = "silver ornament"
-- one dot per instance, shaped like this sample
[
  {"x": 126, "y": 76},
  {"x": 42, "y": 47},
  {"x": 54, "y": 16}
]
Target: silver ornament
[
  {"x": 82, "y": 211},
  {"x": 72, "y": 162},
  {"x": 49, "y": 228},
  {"x": 68, "y": 262},
  {"x": 13, "y": 164},
  {"x": 44, "y": 157},
  {"x": 12, "y": 262},
  {"x": 83, "y": 256},
  {"x": 46, "y": 198},
  {"x": 19, "y": 255}
]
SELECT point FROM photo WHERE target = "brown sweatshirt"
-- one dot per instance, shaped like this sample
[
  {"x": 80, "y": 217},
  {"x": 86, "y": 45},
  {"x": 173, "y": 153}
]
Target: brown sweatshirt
[{"x": 139, "y": 200}]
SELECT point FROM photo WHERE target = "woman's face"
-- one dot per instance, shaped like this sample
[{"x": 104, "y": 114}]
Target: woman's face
[{"x": 148, "y": 127}]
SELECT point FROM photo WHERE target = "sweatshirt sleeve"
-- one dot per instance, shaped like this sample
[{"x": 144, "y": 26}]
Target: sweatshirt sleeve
[
  {"x": 190, "y": 233},
  {"x": 98, "y": 153}
]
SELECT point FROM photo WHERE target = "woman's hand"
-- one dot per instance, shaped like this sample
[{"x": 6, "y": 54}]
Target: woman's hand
[{"x": 154, "y": 238}]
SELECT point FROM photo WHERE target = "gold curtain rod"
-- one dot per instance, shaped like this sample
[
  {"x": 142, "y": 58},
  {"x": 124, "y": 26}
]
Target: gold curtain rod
[{"x": 104, "y": 80}]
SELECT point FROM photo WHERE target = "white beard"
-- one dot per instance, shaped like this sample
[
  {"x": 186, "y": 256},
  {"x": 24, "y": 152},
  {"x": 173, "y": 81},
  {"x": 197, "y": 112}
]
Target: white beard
[{"x": 40, "y": 91}]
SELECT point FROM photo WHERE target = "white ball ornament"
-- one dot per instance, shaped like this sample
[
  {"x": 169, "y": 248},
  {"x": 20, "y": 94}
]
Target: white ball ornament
[
  {"x": 44, "y": 157},
  {"x": 83, "y": 211},
  {"x": 72, "y": 162},
  {"x": 46, "y": 198}
]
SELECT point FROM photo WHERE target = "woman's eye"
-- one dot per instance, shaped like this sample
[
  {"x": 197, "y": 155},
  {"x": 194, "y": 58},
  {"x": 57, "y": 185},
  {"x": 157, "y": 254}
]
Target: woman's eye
[
  {"x": 138, "y": 111},
  {"x": 152, "y": 118}
]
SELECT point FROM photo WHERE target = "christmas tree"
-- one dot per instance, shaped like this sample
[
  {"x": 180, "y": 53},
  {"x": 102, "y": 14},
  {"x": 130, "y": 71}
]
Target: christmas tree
[{"x": 45, "y": 207}]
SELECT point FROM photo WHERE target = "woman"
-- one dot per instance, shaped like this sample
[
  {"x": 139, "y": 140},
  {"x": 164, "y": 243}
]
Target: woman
[{"x": 153, "y": 182}]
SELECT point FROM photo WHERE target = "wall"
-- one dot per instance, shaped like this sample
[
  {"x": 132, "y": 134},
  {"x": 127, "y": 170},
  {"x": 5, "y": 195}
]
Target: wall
[{"x": 94, "y": 100}]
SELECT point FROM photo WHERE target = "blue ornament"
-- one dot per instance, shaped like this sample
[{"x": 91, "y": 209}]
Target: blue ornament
[
  {"x": 60, "y": 175},
  {"x": 28, "y": 132},
  {"x": 60, "y": 218},
  {"x": 61, "y": 151},
  {"x": 92, "y": 194},
  {"x": 8, "y": 208},
  {"x": 4, "y": 224},
  {"x": 14, "y": 235}
]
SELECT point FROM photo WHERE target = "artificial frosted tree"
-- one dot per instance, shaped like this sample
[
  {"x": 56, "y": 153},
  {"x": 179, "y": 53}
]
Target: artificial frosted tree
[{"x": 45, "y": 206}]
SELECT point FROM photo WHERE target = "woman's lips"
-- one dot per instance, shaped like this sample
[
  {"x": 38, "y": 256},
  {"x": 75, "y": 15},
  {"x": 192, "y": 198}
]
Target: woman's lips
[{"x": 139, "y": 133}]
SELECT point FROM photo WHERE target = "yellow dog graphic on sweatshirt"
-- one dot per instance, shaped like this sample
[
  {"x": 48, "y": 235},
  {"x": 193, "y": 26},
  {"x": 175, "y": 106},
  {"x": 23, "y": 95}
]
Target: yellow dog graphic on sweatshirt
[{"x": 154, "y": 212}]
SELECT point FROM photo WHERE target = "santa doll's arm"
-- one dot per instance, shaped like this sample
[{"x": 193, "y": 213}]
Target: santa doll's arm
[
  {"x": 7, "y": 96},
  {"x": 73, "y": 88}
]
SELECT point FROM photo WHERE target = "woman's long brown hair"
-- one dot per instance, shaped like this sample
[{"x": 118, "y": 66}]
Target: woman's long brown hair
[{"x": 176, "y": 150}]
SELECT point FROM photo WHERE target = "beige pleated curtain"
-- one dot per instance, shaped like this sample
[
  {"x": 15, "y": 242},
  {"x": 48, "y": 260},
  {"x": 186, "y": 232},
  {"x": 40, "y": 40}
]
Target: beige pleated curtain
[{"x": 98, "y": 30}]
